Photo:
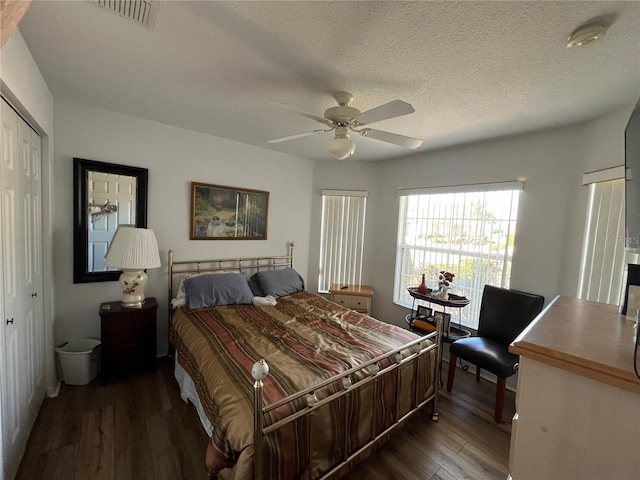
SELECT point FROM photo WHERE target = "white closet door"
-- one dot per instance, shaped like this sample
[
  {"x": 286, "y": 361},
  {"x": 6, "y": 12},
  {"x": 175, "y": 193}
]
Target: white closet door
[
  {"x": 30, "y": 181},
  {"x": 13, "y": 271},
  {"x": 21, "y": 341},
  {"x": 37, "y": 386}
]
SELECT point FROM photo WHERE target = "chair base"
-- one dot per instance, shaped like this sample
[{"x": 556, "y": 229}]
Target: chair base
[{"x": 500, "y": 386}]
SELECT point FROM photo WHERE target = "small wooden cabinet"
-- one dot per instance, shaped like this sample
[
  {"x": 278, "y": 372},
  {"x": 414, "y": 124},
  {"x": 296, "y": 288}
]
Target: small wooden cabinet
[
  {"x": 355, "y": 297},
  {"x": 128, "y": 338}
]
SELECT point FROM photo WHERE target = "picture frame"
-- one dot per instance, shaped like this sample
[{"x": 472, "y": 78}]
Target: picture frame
[
  {"x": 446, "y": 321},
  {"x": 228, "y": 213},
  {"x": 424, "y": 312}
]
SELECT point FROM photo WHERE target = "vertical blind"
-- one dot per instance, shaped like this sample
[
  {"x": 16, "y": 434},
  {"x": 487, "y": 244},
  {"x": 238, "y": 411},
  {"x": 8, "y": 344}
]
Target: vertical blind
[
  {"x": 602, "y": 268},
  {"x": 342, "y": 237}
]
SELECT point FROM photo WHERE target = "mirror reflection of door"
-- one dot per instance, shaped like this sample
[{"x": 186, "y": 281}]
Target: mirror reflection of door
[{"x": 112, "y": 202}]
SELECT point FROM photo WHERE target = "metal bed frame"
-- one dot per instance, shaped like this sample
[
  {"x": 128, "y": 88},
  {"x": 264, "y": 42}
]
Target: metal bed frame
[{"x": 261, "y": 370}]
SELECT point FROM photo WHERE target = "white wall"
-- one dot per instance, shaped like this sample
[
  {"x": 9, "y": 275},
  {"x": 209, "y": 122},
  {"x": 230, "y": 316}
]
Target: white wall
[
  {"x": 552, "y": 206},
  {"x": 23, "y": 85},
  {"x": 174, "y": 157}
]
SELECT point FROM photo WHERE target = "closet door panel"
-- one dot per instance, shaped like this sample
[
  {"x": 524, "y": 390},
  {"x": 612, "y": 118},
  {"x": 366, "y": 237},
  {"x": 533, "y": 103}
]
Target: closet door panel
[
  {"x": 26, "y": 324},
  {"x": 14, "y": 393},
  {"x": 38, "y": 285}
]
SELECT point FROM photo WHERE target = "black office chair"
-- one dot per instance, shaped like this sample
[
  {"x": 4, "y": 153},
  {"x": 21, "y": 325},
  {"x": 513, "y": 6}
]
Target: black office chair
[{"x": 503, "y": 315}]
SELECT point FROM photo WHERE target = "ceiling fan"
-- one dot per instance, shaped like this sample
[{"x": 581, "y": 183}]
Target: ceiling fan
[{"x": 345, "y": 118}]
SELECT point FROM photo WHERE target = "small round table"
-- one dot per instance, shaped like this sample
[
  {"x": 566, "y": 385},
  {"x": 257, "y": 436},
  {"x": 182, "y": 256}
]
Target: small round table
[
  {"x": 450, "y": 333},
  {"x": 454, "y": 301}
]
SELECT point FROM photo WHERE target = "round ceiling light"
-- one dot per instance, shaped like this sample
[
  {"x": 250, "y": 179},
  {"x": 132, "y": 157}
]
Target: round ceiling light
[
  {"x": 586, "y": 34},
  {"x": 341, "y": 145}
]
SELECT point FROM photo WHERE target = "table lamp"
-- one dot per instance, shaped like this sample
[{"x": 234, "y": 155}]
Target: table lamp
[{"x": 133, "y": 250}]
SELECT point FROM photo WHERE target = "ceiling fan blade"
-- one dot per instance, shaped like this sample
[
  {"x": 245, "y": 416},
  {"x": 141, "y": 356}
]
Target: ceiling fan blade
[
  {"x": 298, "y": 111},
  {"x": 298, "y": 135},
  {"x": 401, "y": 140},
  {"x": 393, "y": 109}
]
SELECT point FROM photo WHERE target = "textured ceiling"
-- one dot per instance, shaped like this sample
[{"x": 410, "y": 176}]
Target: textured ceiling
[{"x": 471, "y": 70}]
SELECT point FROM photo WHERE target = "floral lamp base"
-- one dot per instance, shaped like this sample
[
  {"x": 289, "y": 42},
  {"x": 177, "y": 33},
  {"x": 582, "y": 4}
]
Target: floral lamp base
[{"x": 133, "y": 283}]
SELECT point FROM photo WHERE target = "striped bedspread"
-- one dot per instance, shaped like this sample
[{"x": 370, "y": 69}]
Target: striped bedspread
[{"x": 305, "y": 339}]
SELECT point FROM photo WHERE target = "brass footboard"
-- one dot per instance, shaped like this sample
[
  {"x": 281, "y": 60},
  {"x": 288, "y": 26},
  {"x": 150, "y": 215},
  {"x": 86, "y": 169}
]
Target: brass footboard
[{"x": 261, "y": 370}]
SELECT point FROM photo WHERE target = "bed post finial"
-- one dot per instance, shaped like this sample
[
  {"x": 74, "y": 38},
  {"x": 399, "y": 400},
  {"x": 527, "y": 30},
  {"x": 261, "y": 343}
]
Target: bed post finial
[
  {"x": 170, "y": 283},
  {"x": 259, "y": 371},
  {"x": 291, "y": 247}
]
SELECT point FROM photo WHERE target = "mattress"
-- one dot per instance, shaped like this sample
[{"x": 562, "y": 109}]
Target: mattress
[{"x": 188, "y": 394}]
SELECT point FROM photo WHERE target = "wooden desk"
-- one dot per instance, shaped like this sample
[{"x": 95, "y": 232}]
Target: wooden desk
[
  {"x": 355, "y": 297},
  {"x": 578, "y": 398}
]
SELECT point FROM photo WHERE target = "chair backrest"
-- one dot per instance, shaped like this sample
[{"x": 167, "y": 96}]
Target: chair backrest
[{"x": 505, "y": 313}]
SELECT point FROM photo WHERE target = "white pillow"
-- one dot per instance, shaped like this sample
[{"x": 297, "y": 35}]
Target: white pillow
[{"x": 180, "y": 298}]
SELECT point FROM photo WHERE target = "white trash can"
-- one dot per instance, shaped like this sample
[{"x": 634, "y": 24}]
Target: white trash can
[{"x": 79, "y": 360}]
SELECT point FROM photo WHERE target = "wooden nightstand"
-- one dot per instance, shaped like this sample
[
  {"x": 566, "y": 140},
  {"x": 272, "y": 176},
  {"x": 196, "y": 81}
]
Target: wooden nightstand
[
  {"x": 128, "y": 338},
  {"x": 356, "y": 297}
]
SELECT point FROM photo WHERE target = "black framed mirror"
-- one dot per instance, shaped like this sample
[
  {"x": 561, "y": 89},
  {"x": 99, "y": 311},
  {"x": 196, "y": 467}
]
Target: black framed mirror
[{"x": 105, "y": 195}]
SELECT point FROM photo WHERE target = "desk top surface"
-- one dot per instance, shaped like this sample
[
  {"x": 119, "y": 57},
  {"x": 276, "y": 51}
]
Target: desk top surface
[{"x": 584, "y": 337}]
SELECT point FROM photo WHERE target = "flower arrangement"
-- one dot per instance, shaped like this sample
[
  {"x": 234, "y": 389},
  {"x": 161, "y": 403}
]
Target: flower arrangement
[{"x": 444, "y": 285}]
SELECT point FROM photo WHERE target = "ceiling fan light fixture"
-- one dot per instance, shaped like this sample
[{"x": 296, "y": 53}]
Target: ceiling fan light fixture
[
  {"x": 343, "y": 118},
  {"x": 586, "y": 34},
  {"x": 341, "y": 146}
]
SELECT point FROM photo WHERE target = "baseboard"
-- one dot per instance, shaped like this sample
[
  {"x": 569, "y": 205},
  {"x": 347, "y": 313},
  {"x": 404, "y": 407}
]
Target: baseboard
[{"x": 55, "y": 390}]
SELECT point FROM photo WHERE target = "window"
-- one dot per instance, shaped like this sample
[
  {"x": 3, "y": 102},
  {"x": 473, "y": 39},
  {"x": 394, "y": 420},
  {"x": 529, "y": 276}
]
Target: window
[
  {"x": 342, "y": 237},
  {"x": 466, "y": 230},
  {"x": 604, "y": 261}
]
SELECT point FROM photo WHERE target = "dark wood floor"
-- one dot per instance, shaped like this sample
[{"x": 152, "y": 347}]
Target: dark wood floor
[{"x": 139, "y": 429}]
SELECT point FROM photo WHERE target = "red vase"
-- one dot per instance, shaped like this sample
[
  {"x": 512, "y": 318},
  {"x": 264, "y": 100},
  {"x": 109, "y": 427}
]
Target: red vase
[{"x": 422, "y": 289}]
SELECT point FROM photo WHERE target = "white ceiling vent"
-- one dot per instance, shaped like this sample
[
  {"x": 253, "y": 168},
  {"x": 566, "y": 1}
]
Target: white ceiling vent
[{"x": 142, "y": 12}]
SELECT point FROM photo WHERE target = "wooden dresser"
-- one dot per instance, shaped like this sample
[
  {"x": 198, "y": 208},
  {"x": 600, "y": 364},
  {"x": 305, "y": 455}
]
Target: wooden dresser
[{"x": 578, "y": 398}]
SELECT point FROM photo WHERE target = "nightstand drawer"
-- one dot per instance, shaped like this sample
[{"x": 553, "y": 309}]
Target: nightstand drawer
[
  {"x": 344, "y": 300},
  {"x": 361, "y": 304},
  {"x": 357, "y": 298}
]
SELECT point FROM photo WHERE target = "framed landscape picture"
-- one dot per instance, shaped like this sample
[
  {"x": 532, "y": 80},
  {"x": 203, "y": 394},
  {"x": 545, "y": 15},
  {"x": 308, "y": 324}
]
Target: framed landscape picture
[{"x": 228, "y": 213}]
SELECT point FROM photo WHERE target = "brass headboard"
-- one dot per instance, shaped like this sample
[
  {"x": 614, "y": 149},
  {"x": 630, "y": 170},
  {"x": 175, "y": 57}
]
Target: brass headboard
[{"x": 248, "y": 265}]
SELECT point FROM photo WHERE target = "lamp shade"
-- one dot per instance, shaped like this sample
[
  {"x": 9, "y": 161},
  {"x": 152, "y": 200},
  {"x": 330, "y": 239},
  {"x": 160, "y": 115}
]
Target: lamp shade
[{"x": 133, "y": 248}]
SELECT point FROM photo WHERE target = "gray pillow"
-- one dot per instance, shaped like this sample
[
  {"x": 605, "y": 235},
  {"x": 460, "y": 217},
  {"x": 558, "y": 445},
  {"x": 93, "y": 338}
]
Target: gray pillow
[
  {"x": 279, "y": 283},
  {"x": 214, "y": 290},
  {"x": 254, "y": 285}
]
